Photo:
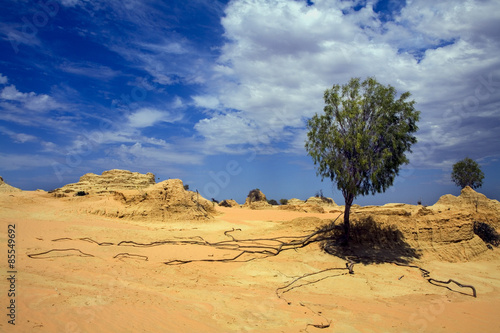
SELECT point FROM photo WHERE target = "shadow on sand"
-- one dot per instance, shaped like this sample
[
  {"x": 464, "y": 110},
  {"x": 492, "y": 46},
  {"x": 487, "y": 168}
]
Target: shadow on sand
[{"x": 369, "y": 243}]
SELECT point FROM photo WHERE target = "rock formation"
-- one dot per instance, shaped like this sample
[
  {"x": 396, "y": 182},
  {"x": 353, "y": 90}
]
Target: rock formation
[
  {"x": 468, "y": 199},
  {"x": 135, "y": 196},
  {"x": 295, "y": 201},
  {"x": 304, "y": 207},
  {"x": 109, "y": 181},
  {"x": 256, "y": 200},
  {"x": 6, "y": 188},
  {"x": 311, "y": 205},
  {"x": 167, "y": 200},
  {"x": 477, "y": 204},
  {"x": 445, "y": 235},
  {"x": 229, "y": 203},
  {"x": 321, "y": 201}
]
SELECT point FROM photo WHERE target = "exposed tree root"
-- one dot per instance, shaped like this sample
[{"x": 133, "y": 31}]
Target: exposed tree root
[
  {"x": 131, "y": 256},
  {"x": 292, "y": 285},
  {"x": 426, "y": 275},
  {"x": 37, "y": 255},
  {"x": 434, "y": 281},
  {"x": 86, "y": 239}
]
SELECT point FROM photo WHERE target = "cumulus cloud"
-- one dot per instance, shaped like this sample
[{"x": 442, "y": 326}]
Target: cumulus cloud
[
  {"x": 30, "y": 101},
  {"x": 206, "y": 101},
  {"x": 147, "y": 117},
  {"x": 3, "y": 79},
  {"x": 281, "y": 55},
  {"x": 224, "y": 130}
]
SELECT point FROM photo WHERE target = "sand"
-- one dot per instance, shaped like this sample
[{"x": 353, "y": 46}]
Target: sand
[{"x": 111, "y": 288}]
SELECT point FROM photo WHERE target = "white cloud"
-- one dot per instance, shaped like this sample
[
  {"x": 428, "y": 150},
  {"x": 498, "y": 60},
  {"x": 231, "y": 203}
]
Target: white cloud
[
  {"x": 18, "y": 137},
  {"x": 91, "y": 70},
  {"x": 146, "y": 117},
  {"x": 3, "y": 79},
  {"x": 155, "y": 156},
  {"x": 30, "y": 101},
  {"x": 281, "y": 55},
  {"x": 229, "y": 129},
  {"x": 206, "y": 101}
]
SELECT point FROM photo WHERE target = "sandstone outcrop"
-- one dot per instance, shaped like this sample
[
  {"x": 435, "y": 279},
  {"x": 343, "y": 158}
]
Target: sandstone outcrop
[
  {"x": 136, "y": 196},
  {"x": 311, "y": 205},
  {"x": 295, "y": 202},
  {"x": 256, "y": 200},
  {"x": 6, "y": 188},
  {"x": 229, "y": 203},
  {"x": 444, "y": 231},
  {"x": 167, "y": 200},
  {"x": 321, "y": 201},
  {"x": 305, "y": 208},
  {"x": 445, "y": 235},
  {"x": 477, "y": 204},
  {"x": 110, "y": 181}
]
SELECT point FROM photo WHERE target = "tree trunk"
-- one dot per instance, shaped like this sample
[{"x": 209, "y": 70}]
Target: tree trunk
[{"x": 347, "y": 227}]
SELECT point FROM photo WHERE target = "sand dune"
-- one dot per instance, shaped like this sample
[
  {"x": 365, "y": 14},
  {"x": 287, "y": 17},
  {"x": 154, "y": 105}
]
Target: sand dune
[{"x": 78, "y": 271}]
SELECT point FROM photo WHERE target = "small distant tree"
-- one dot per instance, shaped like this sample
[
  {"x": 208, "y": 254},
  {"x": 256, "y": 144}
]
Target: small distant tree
[
  {"x": 361, "y": 138},
  {"x": 272, "y": 202},
  {"x": 283, "y": 201},
  {"x": 467, "y": 172}
]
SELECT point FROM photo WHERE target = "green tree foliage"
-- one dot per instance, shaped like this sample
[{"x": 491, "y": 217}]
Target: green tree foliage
[
  {"x": 272, "y": 202},
  {"x": 467, "y": 173},
  {"x": 283, "y": 201},
  {"x": 361, "y": 138}
]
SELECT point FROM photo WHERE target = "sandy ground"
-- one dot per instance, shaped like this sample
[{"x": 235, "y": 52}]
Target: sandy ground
[{"x": 113, "y": 288}]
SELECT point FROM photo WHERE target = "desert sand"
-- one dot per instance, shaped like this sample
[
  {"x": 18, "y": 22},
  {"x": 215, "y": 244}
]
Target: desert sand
[{"x": 97, "y": 263}]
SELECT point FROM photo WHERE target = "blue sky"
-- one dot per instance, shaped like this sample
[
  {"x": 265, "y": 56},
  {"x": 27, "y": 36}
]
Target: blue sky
[{"x": 217, "y": 93}]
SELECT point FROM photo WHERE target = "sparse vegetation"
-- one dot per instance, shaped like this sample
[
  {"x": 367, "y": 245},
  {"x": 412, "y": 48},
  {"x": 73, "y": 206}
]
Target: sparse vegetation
[
  {"x": 361, "y": 139},
  {"x": 272, "y": 202},
  {"x": 467, "y": 172},
  {"x": 186, "y": 187},
  {"x": 80, "y": 194},
  {"x": 283, "y": 201}
]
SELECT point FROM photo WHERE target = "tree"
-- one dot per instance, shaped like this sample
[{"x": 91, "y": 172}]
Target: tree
[
  {"x": 467, "y": 173},
  {"x": 361, "y": 138}
]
